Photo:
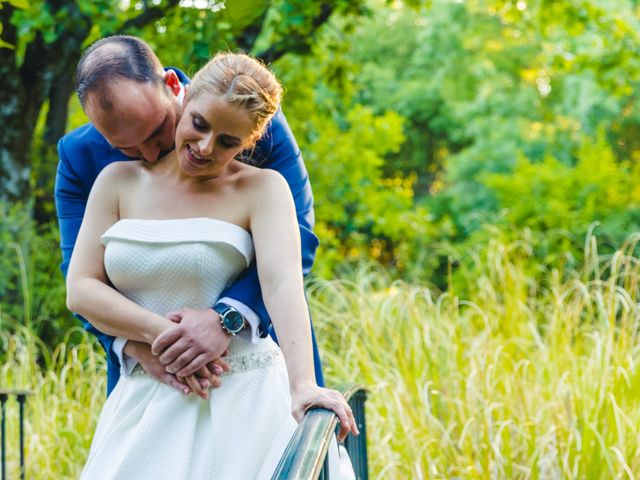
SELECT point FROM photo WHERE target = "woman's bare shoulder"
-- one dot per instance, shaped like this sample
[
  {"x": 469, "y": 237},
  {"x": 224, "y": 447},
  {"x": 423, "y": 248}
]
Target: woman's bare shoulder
[
  {"x": 118, "y": 172},
  {"x": 263, "y": 180}
]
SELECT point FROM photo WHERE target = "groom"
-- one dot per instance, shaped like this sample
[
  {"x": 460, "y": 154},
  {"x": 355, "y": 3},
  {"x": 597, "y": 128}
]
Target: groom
[{"x": 145, "y": 131}]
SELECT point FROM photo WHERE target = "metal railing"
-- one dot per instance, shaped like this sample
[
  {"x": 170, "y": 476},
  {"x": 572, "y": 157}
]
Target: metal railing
[
  {"x": 306, "y": 455},
  {"x": 21, "y": 397}
]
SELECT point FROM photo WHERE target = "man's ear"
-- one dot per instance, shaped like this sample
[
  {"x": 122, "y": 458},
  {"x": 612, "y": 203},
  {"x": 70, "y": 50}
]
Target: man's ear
[{"x": 171, "y": 80}]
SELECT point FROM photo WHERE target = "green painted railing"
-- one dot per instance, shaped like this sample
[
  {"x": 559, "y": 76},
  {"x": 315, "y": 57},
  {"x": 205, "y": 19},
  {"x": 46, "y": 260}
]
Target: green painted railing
[
  {"x": 21, "y": 397},
  {"x": 306, "y": 455}
]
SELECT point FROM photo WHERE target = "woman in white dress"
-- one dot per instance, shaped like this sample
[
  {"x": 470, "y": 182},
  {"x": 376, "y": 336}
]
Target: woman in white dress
[{"x": 175, "y": 233}]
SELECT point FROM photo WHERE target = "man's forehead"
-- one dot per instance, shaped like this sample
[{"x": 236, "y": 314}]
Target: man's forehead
[
  {"x": 122, "y": 96},
  {"x": 128, "y": 125}
]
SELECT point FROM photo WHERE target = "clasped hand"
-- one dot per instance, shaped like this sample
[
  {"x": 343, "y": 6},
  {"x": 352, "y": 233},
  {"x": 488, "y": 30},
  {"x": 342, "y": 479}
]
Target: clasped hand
[{"x": 192, "y": 350}]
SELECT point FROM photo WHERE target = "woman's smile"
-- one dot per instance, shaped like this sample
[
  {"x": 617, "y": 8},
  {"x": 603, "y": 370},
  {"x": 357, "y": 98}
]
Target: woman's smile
[{"x": 197, "y": 159}]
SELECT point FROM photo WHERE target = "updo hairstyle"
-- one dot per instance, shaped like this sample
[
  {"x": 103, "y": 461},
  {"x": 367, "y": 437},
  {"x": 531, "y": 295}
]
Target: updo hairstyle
[{"x": 241, "y": 81}]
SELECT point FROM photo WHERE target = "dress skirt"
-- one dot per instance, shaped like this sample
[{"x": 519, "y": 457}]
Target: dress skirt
[{"x": 150, "y": 430}]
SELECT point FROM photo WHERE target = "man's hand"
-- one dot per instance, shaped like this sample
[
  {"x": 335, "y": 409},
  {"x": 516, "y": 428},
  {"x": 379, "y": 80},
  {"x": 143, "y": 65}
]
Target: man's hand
[{"x": 195, "y": 341}]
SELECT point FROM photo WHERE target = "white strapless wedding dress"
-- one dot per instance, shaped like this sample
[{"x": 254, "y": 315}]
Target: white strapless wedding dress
[{"x": 148, "y": 430}]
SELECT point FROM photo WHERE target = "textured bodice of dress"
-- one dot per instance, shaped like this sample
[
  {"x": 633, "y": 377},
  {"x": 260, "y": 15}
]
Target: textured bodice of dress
[{"x": 165, "y": 265}]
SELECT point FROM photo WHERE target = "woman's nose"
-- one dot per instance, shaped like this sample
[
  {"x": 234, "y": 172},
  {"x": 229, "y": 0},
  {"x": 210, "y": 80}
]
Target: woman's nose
[{"x": 205, "y": 145}]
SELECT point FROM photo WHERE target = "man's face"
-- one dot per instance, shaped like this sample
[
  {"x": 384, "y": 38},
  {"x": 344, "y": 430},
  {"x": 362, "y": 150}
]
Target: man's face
[{"x": 141, "y": 123}]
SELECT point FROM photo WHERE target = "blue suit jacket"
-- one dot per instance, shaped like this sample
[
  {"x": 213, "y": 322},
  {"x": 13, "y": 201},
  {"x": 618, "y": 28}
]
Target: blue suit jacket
[{"x": 84, "y": 152}]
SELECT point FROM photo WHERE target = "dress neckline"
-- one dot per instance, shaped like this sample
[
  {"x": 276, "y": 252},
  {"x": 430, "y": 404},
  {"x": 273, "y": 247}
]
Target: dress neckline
[
  {"x": 185, "y": 219},
  {"x": 181, "y": 230}
]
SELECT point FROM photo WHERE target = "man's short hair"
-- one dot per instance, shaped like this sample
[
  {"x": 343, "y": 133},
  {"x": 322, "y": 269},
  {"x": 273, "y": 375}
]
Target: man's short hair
[{"x": 113, "y": 58}]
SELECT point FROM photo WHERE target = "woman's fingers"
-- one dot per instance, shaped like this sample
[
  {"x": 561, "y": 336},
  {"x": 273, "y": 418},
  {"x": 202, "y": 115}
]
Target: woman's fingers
[
  {"x": 175, "y": 315},
  {"x": 341, "y": 408},
  {"x": 195, "y": 386},
  {"x": 331, "y": 400},
  {"x": 175, "y": 382},
  {"x": 212, "y": 377},
  {"x": 222, "y": 364}
]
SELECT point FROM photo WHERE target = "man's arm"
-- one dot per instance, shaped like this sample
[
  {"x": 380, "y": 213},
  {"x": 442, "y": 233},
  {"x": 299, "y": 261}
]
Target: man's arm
[{"x": 71, "y": 196}]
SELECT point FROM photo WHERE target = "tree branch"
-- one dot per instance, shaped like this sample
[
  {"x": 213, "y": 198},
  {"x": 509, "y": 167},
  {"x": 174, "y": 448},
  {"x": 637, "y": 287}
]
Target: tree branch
[
  {"x": 247, "y": 39},
  {"x": 147, "y": 16},
  {"x": 9, "y": 35},
  {"x": 297, "y": 43}
]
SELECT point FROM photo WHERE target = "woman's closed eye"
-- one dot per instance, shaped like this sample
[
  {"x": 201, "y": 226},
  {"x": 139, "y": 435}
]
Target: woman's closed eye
[
  {"x": 198, "y": 123},
  {"x": 227, "y": 142}
]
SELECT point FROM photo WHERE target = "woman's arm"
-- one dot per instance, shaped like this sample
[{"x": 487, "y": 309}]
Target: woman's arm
[
  {"x": 88, "y": 291},
  {"x": 277, "y": 243}
]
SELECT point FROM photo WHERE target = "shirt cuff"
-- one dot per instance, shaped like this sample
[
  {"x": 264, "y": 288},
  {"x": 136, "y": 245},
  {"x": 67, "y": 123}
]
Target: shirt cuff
[
  {"x": 249, "y": 315},
  {"x": 126, "y": 362}
]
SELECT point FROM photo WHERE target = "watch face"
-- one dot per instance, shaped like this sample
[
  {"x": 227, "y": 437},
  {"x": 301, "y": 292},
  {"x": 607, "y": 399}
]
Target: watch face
[{"x": 233, "y": 321}]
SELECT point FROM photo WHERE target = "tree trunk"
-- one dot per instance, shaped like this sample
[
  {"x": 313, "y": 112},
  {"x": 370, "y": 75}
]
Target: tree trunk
[
  {"x": 15, "y": 139},
  {"x": 60, "y": 92},
  {"x": 45, "y": 74}
]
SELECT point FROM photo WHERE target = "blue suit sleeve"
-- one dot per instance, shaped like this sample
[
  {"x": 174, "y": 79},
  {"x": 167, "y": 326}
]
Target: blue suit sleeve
[
  {"x": 71, "y": 195},
  {"x": 278, "y": 150}
]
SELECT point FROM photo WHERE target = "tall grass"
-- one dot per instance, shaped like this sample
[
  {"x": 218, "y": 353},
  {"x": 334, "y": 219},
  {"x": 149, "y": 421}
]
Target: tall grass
[
  {"x": 519, "y": 381},
  {"x": 523, "y": 379},
  {"x": 68, "y": 386}
]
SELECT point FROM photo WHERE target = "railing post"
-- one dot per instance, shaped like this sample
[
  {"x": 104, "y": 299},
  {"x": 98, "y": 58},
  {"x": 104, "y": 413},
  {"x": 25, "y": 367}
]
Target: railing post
[
  {"x": 3, "y": 399},
  {"x": 357, "y": 446},
  {"x": 21, "y": 397}
]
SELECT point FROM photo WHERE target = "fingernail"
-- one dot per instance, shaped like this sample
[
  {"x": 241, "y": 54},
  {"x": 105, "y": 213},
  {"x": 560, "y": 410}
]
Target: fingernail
[
  {"x": 217, "y": 370},
  {"x": 186, "y": 391}
]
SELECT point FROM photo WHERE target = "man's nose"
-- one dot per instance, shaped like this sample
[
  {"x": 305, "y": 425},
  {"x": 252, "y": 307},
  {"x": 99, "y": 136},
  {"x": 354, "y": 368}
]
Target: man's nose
[{"x": 150, "y": 153}]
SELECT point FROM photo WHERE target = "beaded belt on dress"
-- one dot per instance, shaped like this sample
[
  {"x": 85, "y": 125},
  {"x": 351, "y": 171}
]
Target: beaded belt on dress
[{"x": 238, "y": 363}]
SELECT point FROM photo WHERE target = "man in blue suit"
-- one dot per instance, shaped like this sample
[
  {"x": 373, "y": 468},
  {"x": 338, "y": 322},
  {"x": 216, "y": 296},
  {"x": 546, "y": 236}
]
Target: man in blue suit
[{"x": 145, "y": 131}]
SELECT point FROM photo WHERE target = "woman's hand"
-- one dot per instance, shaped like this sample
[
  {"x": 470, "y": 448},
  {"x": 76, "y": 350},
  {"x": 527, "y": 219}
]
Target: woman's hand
[
  {"x": 205, "y": 378},
  {"x": 310, "y": 395}
]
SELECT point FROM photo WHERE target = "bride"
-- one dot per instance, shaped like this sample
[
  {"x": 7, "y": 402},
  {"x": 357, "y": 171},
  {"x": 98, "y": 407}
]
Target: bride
[{"x": 175, "y": 233}]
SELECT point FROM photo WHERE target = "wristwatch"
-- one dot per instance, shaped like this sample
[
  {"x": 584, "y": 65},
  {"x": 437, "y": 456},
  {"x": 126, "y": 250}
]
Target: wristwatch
[{"x": 231, "y": 319}]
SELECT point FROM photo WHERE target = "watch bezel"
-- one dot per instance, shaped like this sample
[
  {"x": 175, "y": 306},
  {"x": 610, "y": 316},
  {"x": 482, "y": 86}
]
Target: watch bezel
[{"x": 226, "y": 312}]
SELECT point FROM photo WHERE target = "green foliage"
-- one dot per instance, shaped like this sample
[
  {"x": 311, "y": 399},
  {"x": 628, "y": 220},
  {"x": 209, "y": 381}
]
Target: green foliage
[
  {"x": 18, "y": 4},
  {"x": 360, "y": 212},
  {"x": 32, "y": 292},
  {"x": 550, "y": 195},
  {"x": 483, "y": 85}
]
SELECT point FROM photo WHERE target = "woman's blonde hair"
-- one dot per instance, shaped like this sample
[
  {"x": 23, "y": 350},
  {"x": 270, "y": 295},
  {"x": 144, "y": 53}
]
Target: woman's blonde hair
[{"x": 242, "y": 81}]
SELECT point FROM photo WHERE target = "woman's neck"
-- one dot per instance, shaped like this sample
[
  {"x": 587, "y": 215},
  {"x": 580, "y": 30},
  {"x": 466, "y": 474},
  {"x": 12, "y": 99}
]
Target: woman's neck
[{"x": 169, "y": 168}]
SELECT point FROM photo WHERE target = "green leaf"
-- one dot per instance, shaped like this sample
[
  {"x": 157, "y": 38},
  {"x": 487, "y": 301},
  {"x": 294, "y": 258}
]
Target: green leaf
[
  {"x": 4, "y": 44},
  {"x": 246, "y": 10},
  {"x": 20, "y": 4}
]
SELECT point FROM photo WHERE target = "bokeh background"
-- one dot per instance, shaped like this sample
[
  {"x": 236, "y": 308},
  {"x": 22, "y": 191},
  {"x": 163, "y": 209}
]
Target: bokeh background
[{"x": 476, "y": 172}]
